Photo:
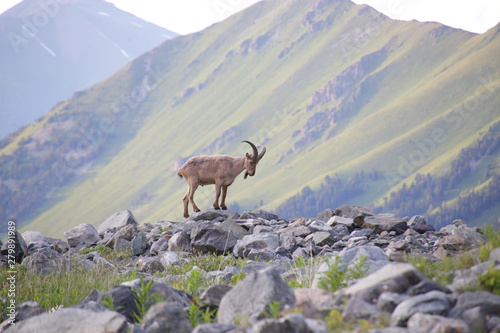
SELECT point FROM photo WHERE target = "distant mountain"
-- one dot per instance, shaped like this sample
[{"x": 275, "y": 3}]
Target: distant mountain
[
  {"x": 353, "y": 107},
  {"x": 50, "y": 49}
]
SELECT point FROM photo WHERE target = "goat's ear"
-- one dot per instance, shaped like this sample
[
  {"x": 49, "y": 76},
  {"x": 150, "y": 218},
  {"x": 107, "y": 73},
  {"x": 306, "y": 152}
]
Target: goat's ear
[{"x": 248, "y": 156}]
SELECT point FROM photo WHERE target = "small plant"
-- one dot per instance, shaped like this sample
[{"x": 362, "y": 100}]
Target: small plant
[
  {"x": 109, "y": 302},
  {"x": 336, "y": 277},
  {"x": 358, "y": 270},
  {"x": 143, "y": 300},
  {"x": 198, "y": 316},
  {"x": 493, "y": 242},
  {"x": 237, "y": 278},
  {"x": 273, "y": 309},
  {"x": 490, "y": 280}
]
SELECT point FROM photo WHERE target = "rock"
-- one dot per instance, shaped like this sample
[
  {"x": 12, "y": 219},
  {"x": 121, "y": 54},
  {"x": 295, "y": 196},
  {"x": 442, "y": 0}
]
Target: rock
[
  {"x": 495, "y": 255},
  {"x": 288, "y": 241},
  {"x": 423, "y": 228},
  {"x": 83, "y": 233},
  {"x": 179, "y": 242},
  {"x": 417, "y": 220},
  {"x": 251, "y": 296},
  {"x": 252, "y": 267},
  {"x": 322, "y": 238},
  {"x": 123, "y": 301},
  {"x": 395, "y": 277},
  {"x": 122, "y": 244},
  {"x": 489, "y": 303},
  {"x": 264, "y": 255},
  {"x": 352, "y": 211},
  {"x": 73, "y": 320},
  {"x": 45, "y": 261},
  {"x": 215, "y": 328},
  {"x": 211, "y": 214},
  {"x": 210, "y": 237},
  {"x": 375, "y": 259},
  {"x": 213, "y": 295},
  {"x": 168, "y": 258},
  {"x": 425, "y": 286},
  {"x": 159, "y": 246},
  {"x": 149, "y": 265},
  {"x": 429, "y": 323},
  {"x": 357, "y": 309},
  {"x": 139, "y": 243},
  {"x": 385, "y": 222},
  {"x": 18, "y": 244},
  {"x": 260, "y": 241},
  {"x": 117, "y": 221},
  {"x": 161, "y": 289},
  {"x": 387, "y": 301},
  {"x": 336, "y": 220},
  {"x": 165, "y": 317},
  {"x": 363, "y": 233},
  {"x": 35, "y": 240},
  {"x": 321, "y": 226},
  {"x": 468, "y": 278},
  {"x": 128, "y": 232},
  {"x": 259, "y": 213},
  {"x": 321, "y": 299},
  {"x": 325, "y": 215},
  {"x": 27, "y": 310},
  {"x": 291, "y": 323},
  {"x": 433, "y": 302},
  {"x": 475, "y": 319}
]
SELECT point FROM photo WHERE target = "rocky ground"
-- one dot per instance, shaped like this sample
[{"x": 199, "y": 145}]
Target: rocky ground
[{"x": 393, "y": 295}]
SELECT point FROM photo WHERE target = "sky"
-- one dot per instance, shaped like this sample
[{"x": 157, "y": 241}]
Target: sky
[{"x": 186, "y": 16}]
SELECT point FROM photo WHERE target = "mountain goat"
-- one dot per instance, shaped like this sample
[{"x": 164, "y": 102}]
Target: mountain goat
[{"x": 220, "y": 170}]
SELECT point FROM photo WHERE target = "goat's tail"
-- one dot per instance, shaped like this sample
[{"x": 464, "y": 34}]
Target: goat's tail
[{"x": 179, "y": 173}]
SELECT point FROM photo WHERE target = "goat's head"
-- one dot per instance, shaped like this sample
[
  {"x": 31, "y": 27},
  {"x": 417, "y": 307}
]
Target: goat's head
[{"x": 252, "y": 159}]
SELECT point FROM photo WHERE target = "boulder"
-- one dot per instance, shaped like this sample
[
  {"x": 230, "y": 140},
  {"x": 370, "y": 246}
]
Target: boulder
[
  {"x": 213, "y": 295},
  {"x": 122, "y": 244},
  {"x": 489, "y": 303},
  {"x": 336, "y": 220},
  {"x": 321, "y": 299},
  {"x": 433, "y": 302},
  {"x": 139, "y": 243},
  {"x": 211, "y": 237},
  {"x": 211, "y": 214},
  {"x": 160, "y": 245},
  {"x": 357, "y": 309},
  {"x": 291, "y": 323},
  {"x": 83, "y": 233},
  {"x": 27, "y": 310},
  {"x": 35, "y": 240},
  {"x": 166, "y": 317},
  {"x": 325, "y": 215},
  {"x": 123, "y": 301},
  {"x": 391, "y": 277},
  {"x": 117, "y": 221},
  {"x": 45, "y": 261},
  {"x": 18, "y": 244},
  {"x": 429, "y": 323},
  {"x": 260, "y": 241},
  {"x": 162, "y": 289},
  {"x": 385, "y": 222},
  {"x": 417, "y": 220},
  {"x": 250, "y": 298},
  {"x": 352, "y": 211},
  {"x": 73, "y": 320}
]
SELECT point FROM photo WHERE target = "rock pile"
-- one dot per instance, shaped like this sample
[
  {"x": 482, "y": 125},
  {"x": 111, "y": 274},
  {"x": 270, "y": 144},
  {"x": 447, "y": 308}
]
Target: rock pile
[{"x": 393, "y": 292}]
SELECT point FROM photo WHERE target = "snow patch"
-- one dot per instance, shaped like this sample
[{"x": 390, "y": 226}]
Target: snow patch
[{"x": 103, "y": 14}]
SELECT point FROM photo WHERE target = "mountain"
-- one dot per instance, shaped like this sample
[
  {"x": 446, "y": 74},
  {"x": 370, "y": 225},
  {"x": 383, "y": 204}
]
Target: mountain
[
  {"x": 50, "y": 49},
  {"x": 338, "y": 93}
]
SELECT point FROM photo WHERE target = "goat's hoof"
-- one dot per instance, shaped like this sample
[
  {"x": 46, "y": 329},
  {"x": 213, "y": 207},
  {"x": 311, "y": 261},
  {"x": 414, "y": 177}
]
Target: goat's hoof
[
  {"x": 216, "y": 208},
  {"x": 197, "y": 211},
  {"x": 224, "y": 208},
  {"x": 186, "y": 216}
]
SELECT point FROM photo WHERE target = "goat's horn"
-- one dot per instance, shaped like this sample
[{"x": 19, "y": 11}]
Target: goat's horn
[
  {"x": 255, "y": 152},
  {"x": 262, "y": 152}
]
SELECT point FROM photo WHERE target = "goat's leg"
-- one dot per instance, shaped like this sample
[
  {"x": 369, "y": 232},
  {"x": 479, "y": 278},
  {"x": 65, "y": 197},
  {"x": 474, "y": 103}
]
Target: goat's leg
[
  {"x": 223, "y": 199},
  {"x": 185, "y": 200},
  {"x": 192, "y": 189},
  {"x": 217, "y": 195}
]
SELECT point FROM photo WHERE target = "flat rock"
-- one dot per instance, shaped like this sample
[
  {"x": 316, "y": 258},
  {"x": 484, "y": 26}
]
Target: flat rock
[
  {"x": 117, "y": 221},
  {"x": 433, "y": 302}
]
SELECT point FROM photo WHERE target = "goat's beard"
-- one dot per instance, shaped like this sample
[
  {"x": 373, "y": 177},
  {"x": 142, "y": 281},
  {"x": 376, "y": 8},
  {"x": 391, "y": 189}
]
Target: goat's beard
[{"x": 246, "y": 175}]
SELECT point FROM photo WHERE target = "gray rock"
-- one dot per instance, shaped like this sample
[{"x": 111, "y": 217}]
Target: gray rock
[
  {"x": 168, "y": 258},
  {"x": 429, "y": 323},
  {"x": 214, "y": 328},
  {"x": 385, "y": 222},
  {"x": 139, "y": 243},
  {"x": 325, "y": 215},
  {"x": 357, "y": 309},
  {"x": 159, "y": 246},
  {"x": 149, "y": 265},
  {"x": 35, "y": 240},
  {"x": 166, "y": 317},
  {"x": 260, "y": 213},
  {"x": 339, "y": 220},
  {"x": 391, "y": 277},
  {"x": 322, "y": 238},
  {"x": 375, "y": 260},
  {"x": 73, "y": 320},
  {"x": 262, "y": 228},
  {"x": 91, "y": 306},
  {"x": 260, "y": 241},
  {"x": 45, "y": 261},
  {"x": 423, "y": 228},
  {"x": 321, "y": 226},
  {"x": 27, "y": 310},
  {"x": 161, "y": 289},
  {"x": 488, "y": 302},
  {"x": 117, "y": 221},
  {"x": 417, "y": 220},
  {"x": 211, "y": 237},
  {"x": 123, "y": 301},
  {"x": 213, "y": 295},
  {"x": 179, "y": 242},
  {"x": 211, "y": 214},
  {"x": 468, "y": 278},
  {"x": 264, "y": 255},
  {"x": 387, "y": 301},
  {"x": 291, "y": 323},
  {"x": 433, "y": 302},
  {"x": 127, "y": 232},
  {"x": 425, "y": 286},
  {"x": 19, "y": 246},
  {"x": 495, "y": 254},
  {"x": 83, "y": 233},
  {"x": 298, "y": 231},
  {"x": 352, "y": 211},
  {"x": 253, "y": 266},
  {"x": 288, "y": 241},
  {"x": 251, "y": 296},
  {"x": 322, "y": 300},
  {"x": 475, "y": 319},
  {"x": 122, "y": 244},
  {"x": 363, "y": 233}
]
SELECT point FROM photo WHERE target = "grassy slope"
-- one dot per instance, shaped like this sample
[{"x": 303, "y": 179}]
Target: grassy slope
[{"x": 429, "y": 71}]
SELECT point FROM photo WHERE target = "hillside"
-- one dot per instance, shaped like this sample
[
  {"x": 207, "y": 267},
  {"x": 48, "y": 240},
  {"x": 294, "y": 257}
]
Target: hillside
[
  {"x": 51, "y": 49},
  {"x": 331, "y": 88}
]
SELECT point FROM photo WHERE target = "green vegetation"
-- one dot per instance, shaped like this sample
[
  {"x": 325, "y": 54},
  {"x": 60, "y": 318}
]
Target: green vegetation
[
  {"x": 490, "y": 281},
  {"x": 337, "y": 275},
  {"x": 274, "y": 309},
  {"x": 106, "y": 252},
  {"x": 197, "y": 315},
  {"x": 144, "y": 299}
]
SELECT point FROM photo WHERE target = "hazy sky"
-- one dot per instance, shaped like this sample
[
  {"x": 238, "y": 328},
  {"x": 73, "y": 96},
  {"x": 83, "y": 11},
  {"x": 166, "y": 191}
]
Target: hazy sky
[{"x": 185, "y": 16}]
